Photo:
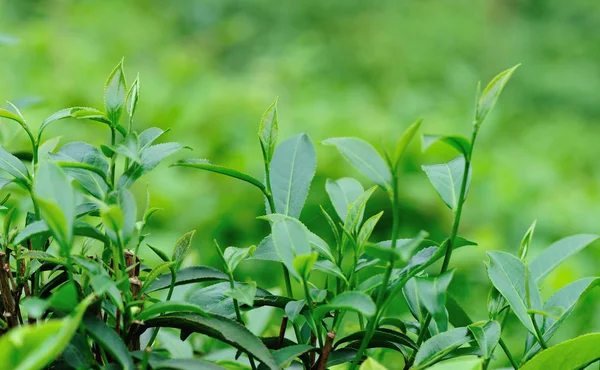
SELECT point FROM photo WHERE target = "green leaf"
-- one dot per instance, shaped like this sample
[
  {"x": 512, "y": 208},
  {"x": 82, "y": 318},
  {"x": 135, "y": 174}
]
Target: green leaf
[
  {"x": 133, "y": 96},
  {"x": 463, "y": 363},
  {"x": 563, "y": 301},
  {"x": 154, "y": 273},
  {"x": 36, "y": 346},
  {"x": 213, "y": 299},
  {"x": 405, "y": 139},
  {"x": 490, "y": 95},
  {"x": 457, "y": 315},
  {"x": 380, "y": 334},
  {"x": 13, "y": 166},
  {"x": 320, "y": 246},
  {"x": 204, "y": 164},
  {"x": 48, "y": 146},
  {"x": 181, "y": 248},
  {"x": 356, "y": 211},
  {"x": 460, "y": 143},
  {"x": 432, "y": 295},
  {"x": 437, "y": 347},
  {"x": 55, "y": 196},
  {"x": 149, "y": 159},
  {"x": 267, "y": 131},
  {"x": 367, "y": 229},
  {"x": 112, "y": 216},
  {"x": 364, "y": 158},
  {"x": 109, "y": 340},
  {"x": 128, "y": 207},
  {"x": 343, "y": 192},
  {"x": 186, "y": 364},
  {"x": 220, "y": 328},
  {"x": 330, "y": 268},
  {"x": 559, "y": 251},
  {"x": 509, "y": 274},
  {"x": 114, "y": 94},
  {"x": 293, "y": 310},
  {"x": 129, "y": 147},
  {"x": 487, "y": 335},
  {"x": 404, "y": 248},
  {"x": 243, "y": 293},
  {"x": 188, "y": 275},
  {"x": 290, "y": 240},
  {"x": 233, "y": 256},
  {"x": 104, "y": 284},
  {"x": 161, "y": 308},
  {"x": 303, "y": 264},
  {"x": 286, "y": 355},
  {"x": 572, "y": 354},
  {"x": 5, "y": 113},
  {"x": 526, "y": 242},
  {"x": 351, "y": 301},
  {"x": 371, "y": 364},
  {"x": 447, "y": 179},
  {"x": 34, "y": 307},
  {"x": 65, "y": 298},
  {"x": 94, "y": 179},
  {"x": 292, "y": 170}
]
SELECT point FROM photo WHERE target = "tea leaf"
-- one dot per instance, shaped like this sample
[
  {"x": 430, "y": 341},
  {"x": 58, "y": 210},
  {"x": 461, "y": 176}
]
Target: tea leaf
[
  {"x": 181, "y": 248},
  {"x": 290, "y": 239},
  {"x": 490, "y": 95},
  {"x": 233, "y": 256},
  {"x": 487, "y": 335},
  {"x": 462, "y": 363},
  {"x": 303, "y": 264},
  {"x": 114, "y": 94},
  {"x": 154, "y": 273},
  {"x": 460, "y": 143},
  {"x": 526, "y": 242},
  {"x": 187, "y": 364},
  {"x": 405, "y": 139},
  {"x": 244, "y": 293},
  {"x": 432, "y": 294},
  {"x": 149, "y": 135},
  {"x": 149, "y": 159},
  {"x": 161, "y": 308},
  {"x": 364, "y": 158},
  {"x": 93, "y": 179},
  {"x": 286, "y": 355},
  {"x": 351, "y": 301},
  {"x": 109, "y": 340},
  {"x": 343, "y": 192},
  {"x": 571, "y": 354},
  {"x": 221, "y": 328},
  {"x": 267, "y": 131},
  {"x": 381, "y": 334},
  {"x": 204, "y": 164},
  {"x": 133, "y": 96},
  {"x": 292, "y": 170},
  {"x": 367, "y": 229},
  {"x": 213, "y": 299},
  {"x": 447, "y": 179},
  {"x": 437, "y": 347},
  {"x": 371, "y": 364},
  {"x": 293, "y": 310},
  {"x": 104, "y": 284},
  {"x": 559, "y": 251},
  {"x": 13, "y": 166},
  {"x": 330, "y": 268},
  {"x": 509, "y": 275},
  {"x": 356, "y": 211},
  {"x": 188, "y": 275}
]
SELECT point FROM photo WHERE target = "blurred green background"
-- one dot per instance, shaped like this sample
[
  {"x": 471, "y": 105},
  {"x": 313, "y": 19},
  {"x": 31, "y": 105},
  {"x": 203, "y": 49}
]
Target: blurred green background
[{"x": 340, "y": 68}]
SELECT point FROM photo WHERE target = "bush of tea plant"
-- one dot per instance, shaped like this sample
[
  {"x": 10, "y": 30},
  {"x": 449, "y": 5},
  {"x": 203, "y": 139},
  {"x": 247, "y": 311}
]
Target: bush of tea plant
[{"x": 75, "y": 293}]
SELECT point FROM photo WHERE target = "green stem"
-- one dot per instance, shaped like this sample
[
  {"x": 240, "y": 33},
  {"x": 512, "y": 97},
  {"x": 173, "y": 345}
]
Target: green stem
[
  {"x": 310, "y": 304},
  {"x": 113, "y": 158},
  {"x": 508, "y": 354},
  {"x": 381, "y": 292},
  {"x": 538, "y": 333}
]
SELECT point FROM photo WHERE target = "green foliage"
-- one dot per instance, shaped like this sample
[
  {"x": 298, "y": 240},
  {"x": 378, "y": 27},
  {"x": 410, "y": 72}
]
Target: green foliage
[{"x": 79, "y": 290}]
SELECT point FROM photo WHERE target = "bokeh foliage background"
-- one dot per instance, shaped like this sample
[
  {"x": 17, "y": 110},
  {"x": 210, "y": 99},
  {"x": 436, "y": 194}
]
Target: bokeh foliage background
[{"x": 340, "y": 68}]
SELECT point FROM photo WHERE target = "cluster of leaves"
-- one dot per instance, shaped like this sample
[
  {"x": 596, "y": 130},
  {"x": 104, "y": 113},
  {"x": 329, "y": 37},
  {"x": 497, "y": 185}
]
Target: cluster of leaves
[{"x": 75, "y": 293}]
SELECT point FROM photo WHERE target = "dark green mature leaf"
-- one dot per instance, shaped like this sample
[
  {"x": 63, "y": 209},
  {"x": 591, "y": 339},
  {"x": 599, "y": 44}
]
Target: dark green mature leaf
[
  {"x": 364, "y": 158},
  {"x": 563, "y": 301},
  {"x": 284, "y": 356},
  {"x": 149, "y": 159},
  {"x": 220, "y": 328},
  {"x": 457, "y": 315},
  {"x": 487, "y": 335},
  {"x": 181, "y": 248},
  {"x": 447, "y": 179},
  {"x": 162, "y": 308},
  {"x": 292, "y": 169},
  {"x": 437, "y": 347},
  {"x": 509, "y": 275},
  {"x": 490, "y": 95},
  {"x": 559, "y": 251},
  {"x": 213, "y": 299},
  {"x": 432, "y": 295},
  {"x": 13, "y": 166},
  {"x": 35, "y": 346},
  {"x": 351, "y": 301},
  {"x": 188, "y": 275},
  {"x": 114, "y": 94},
  {"x": 341, "y": 356},
  {"x": 293, "y": 310},
  {"x": 204, "y": 164},
  {"x": 463, "y": 363},
  {"x": 380, "y": 334},
  {"x": 460, "y": 143},
  {"x": 572, "y": 354},
  {"x": 343, "y": 192},
  {"x": 267, "y": 131},
  {"x": 186, "y": 364},
  {"x": 55, "y": 197},
  {"x": 109, "y": 340},
  {"x": 154, "y": 273}
]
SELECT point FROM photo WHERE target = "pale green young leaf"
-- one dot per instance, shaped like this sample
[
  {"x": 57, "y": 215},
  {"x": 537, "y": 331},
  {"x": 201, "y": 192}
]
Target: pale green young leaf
[
  {"x": 268, "y": 130},
  {"x": 103, "y": 284},
  {"x": 112, "y": 216},
  {"x": 233, "y": 256},
  {"x": 526, "y": 242},
  {"x": 487, "y": 335},
  {"x": 405, "y": 139},
  {"x": 155, "y": 273},
  {"x": 292, "y": 170},
  {"x": 329, "y": 268},
  {"x": 432, "y": 295},
  {"x": 149, "y": 159},
  {"x": 351, "y": 301},
  {"x": 356, "y": 211},
  {"x": 460, "y": 363},
  {"x": 447, "y": 179},
  {"x": 13, "y": 166},
  {"x": 34, "y": 307},
  {"x": 286, "y": 355},
  {"x": 371, "y": 364},
  {"x": 367, "y": 229},
  {"x": 437, "y": 347},
  {"x": 559, "y": 251},
  {"x": 510, "y": 276},
  {"x": 48, "y": 146},
  {"x": 343, "y": 192},
  {"x": 149, "y": 136},
  {"x": 129, "y": 147},
  {"x": 114, "y": 94},
  {"x": 405, "y": 248},
  {"x": 365, "y": 158},
  {"x": 290, "y": 240},
  {"x": 204, "y": 164},
  {"x": 303, "y": 264},
  {"x": 125, "y": 201},
  {"x": 181, "y": 248},
  {"x": 490, "y": 95},
  {"x": 460, "y": 143},
  {"x": 244, "y": 293},
  {"x": 571, "y": 354},
  {"x": 133, "y": 96},
  {"x": 293, "y": 310}
]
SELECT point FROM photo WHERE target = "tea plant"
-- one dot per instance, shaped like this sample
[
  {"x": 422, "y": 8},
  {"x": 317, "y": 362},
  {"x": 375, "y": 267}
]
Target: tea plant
[{"x": 76, "y": 294}]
